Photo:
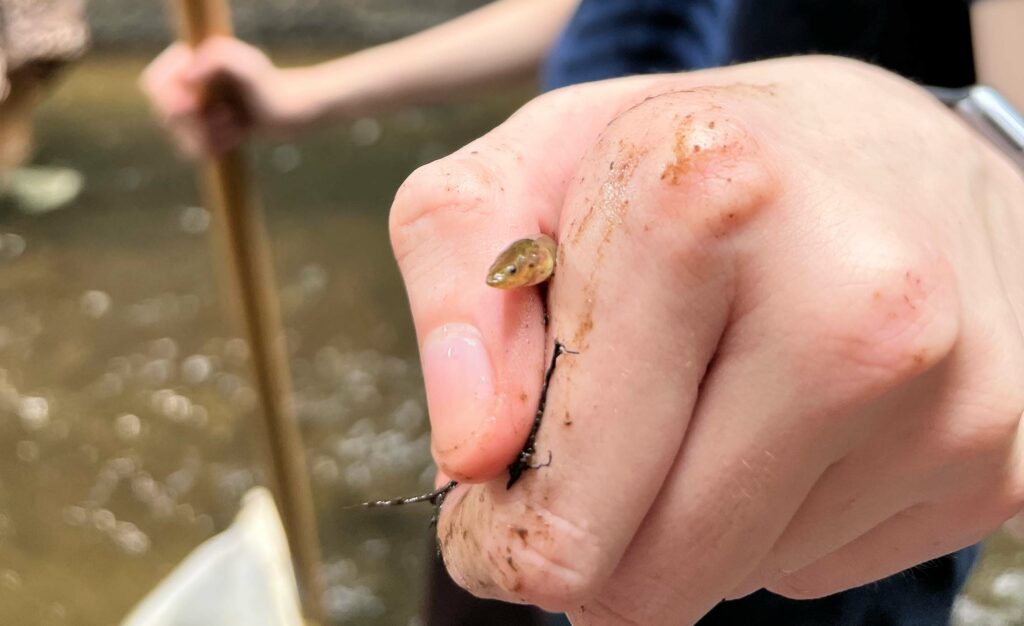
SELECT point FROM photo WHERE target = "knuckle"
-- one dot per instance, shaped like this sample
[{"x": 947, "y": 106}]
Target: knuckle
[
  {"x": 557, "y": 571},
  {"x": 546, "y": 560},
  {"x": 154, "y": 79},
  {"x": 985, "y": 430},
  {"x": 893, "y": 320},
  {"x": 1001, "y": 500},
  {"x": 440, "y": 196},
  {"x": 689, "y": 157},
  {"x": 1009, "y": 502}
]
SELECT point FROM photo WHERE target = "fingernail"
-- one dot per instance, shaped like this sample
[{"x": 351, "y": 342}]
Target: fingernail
[{"x": 459, "y": 379}]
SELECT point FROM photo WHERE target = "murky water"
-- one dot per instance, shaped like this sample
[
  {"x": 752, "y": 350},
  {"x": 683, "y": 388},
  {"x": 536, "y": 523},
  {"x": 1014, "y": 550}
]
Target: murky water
[
  {"x": 126, "y": 406},
  {"x": 125, "y": 400}
]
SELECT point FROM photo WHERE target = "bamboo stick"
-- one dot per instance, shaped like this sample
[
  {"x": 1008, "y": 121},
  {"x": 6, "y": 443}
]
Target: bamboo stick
[{"x": 245, "y": 253}]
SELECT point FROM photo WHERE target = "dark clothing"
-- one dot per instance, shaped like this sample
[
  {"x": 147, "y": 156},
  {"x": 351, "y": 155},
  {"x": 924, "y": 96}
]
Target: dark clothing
[
  {"x": 609, "y": 38},
  {"x": 922, "y": 596},
  {"x": 41, "y": 31},
  {"x": 926, "y": 40}
]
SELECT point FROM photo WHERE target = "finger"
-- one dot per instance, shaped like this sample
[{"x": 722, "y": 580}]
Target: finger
[
  {"x": 987, "y": 489},
  {"x": 942, "y": 447},
  {"x": 781, "y": 405},
  {"x": 482, "y": 349},
  {"x": 163, "y": 81},
  {"x": 906, "y": 540},
  {"x": 874, "y": 482},
  {"x": 642, "y": 292}
]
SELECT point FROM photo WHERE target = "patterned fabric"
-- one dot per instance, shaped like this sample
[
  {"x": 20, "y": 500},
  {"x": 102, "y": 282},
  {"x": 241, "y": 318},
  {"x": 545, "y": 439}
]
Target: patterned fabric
[{"x": 41, "y": 31}]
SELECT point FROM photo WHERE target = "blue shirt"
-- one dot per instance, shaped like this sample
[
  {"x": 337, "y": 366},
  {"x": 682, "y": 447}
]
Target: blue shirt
[
  {"x": 609, "y": 38},
  {"x": 926, "y": 40}
]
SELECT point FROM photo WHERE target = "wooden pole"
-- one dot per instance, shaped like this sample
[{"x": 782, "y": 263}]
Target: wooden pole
[{"x": 246, "y": 255}]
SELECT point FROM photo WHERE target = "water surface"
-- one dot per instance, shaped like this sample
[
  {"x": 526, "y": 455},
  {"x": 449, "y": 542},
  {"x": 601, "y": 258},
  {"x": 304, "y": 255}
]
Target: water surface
[{"x": 126, "y": 406}]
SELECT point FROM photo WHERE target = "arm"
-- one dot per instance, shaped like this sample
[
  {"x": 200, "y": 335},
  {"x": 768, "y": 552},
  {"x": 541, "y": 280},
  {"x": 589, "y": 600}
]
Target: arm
[
  {"x": 499, "y": 42},
  {"x": 998, "y": 46},
  {"x": 496, "y": 43}
]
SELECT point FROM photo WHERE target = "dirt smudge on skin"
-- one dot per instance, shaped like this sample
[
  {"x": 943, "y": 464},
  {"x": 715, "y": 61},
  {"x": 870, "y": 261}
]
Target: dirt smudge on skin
[
  {"x": 695, "y": 145},
  {"x": 444, "y": 541},
  {"x": 460, "y": 546},
  {"x": 521, "y": 532},
  {"x": 612, "y": 204},
  {"x": 683, "y": 151},
  {"x": 586, "y": 324},
  {"x": 582, "y": 225},
  {"x": 510, "y": 579}
]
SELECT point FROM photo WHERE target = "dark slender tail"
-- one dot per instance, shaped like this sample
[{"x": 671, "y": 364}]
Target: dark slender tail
[
  {"x": 524, "y": 461},
  {"x": 435, "y": 497}
]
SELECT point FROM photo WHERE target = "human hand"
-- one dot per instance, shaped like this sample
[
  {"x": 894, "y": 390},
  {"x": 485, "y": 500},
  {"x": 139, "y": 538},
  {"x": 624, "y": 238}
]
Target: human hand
[
  {"x": 796, "y": 292},
  {"x": 252, "y": 94}
]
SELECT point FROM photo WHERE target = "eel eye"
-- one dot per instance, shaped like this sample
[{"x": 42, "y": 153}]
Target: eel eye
[{"x": 511, "y": 269}]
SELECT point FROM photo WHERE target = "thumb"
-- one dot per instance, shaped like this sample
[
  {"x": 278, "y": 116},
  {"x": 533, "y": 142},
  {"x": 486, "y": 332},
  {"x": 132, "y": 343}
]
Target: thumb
[{"x": 482, "y": 349}]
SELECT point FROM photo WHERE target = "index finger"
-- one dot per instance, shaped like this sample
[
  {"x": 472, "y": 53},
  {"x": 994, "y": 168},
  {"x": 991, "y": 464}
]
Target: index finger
[
  {"x": 482, "y": 349},
  {"x": 163, "y": 80}
]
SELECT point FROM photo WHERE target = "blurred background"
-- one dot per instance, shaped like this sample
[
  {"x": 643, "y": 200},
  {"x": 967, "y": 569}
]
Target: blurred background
[{"x": 127, "y": 408}]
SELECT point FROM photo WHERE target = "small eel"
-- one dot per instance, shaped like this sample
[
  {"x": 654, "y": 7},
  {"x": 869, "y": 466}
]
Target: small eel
[{"x": 524, "y": 263}]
